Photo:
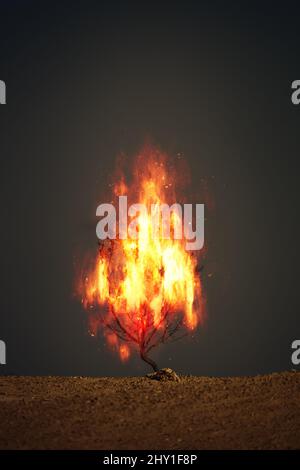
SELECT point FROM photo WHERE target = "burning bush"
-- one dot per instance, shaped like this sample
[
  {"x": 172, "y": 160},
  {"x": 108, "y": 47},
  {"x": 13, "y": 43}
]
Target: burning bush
[{"x": 144, "y": 291}]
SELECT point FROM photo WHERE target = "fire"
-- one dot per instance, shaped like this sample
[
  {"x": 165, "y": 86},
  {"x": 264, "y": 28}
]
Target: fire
[{"x": 140, "y": 290}]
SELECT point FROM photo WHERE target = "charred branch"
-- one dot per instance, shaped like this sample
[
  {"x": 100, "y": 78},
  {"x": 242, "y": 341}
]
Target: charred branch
[{"x": 147, "y": 359}]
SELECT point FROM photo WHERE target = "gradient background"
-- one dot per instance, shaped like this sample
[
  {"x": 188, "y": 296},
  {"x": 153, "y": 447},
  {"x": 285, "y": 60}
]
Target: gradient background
[{"x": 88, "y": 80}]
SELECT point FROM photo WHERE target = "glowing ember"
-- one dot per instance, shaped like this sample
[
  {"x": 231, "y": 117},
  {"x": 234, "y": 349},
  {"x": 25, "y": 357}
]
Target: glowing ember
[{"x": 142, "y": 292}]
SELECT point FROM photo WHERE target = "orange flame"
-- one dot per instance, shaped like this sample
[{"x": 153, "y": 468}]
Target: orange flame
[{"x": 141, "y": 284}]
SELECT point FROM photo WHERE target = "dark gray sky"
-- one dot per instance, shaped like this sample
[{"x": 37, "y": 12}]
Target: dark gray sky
[{"x": 88, "y": 80}]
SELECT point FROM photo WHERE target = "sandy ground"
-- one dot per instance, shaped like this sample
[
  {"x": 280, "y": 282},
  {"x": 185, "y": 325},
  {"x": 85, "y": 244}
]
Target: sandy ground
[{"x": 260, "y": 412}]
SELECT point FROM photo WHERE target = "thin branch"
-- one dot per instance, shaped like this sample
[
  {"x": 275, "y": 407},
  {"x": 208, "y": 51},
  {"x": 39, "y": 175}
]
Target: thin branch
[
  {"x": 123, "y": 328},
  {"x": 157, "y": 327},
  {"x": 167, "y": 334},
  {"x": 118, "y": 334},
  {"x": 178, "y": 337}
]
